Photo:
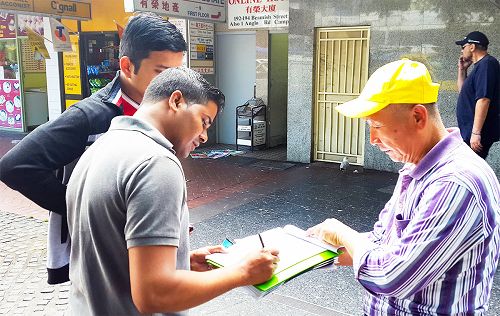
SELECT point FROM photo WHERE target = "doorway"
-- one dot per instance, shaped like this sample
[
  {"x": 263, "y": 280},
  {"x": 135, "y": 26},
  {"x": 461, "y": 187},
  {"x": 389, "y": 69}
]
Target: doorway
[
  {"x": 235, "y": 71},
  {"x": 341, "y": 71}
]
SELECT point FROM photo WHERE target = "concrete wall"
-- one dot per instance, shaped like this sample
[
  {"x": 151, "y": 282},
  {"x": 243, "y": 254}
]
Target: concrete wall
[
  {"x": 419, "y": 29},
  {"x": 278, "y": 89}
]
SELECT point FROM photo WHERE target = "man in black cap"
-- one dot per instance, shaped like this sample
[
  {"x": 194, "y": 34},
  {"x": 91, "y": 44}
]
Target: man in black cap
[{"x": 479, "y": 99}]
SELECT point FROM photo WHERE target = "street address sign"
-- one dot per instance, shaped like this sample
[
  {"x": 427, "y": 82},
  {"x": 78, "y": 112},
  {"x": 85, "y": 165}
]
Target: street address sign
[{"x": 70, "y": 9}]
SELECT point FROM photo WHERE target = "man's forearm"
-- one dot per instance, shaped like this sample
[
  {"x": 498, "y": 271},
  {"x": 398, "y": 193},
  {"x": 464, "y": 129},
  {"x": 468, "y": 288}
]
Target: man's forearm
[
  {"x": 29, "y": 167},
  {"x": 186, "y": 289},
  {"x": 26, "y": 175},
  {"x": 462, "y": 75},
  {"x": 480, "y": 113}
]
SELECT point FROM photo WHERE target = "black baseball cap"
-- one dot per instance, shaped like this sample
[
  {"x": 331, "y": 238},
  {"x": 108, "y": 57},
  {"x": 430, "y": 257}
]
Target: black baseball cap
[{"x": 475, "y": 37}]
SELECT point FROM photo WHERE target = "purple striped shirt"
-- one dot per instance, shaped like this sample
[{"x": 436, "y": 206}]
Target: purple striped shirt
[{"x": 436, "y": 244}]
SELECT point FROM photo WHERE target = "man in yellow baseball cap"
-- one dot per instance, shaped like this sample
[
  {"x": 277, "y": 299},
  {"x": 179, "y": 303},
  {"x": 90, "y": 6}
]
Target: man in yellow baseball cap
[
  {"x": 402, "y": 81},
  {"x": 435, "y": 248}
]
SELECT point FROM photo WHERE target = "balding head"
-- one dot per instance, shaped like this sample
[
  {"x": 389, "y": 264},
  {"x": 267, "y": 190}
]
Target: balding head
[{"x": 406, "y": 132}]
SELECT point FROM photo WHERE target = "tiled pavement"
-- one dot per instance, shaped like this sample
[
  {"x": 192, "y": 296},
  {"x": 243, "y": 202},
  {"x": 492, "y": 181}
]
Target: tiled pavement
[
  {"x": 8, "y": 139},
  {"x": 23, "y": 277},
  {"x": 230, "y": 197}
]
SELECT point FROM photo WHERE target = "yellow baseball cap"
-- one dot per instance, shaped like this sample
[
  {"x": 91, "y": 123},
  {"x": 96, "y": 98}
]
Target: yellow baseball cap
[{"x": 402, "y": 81}]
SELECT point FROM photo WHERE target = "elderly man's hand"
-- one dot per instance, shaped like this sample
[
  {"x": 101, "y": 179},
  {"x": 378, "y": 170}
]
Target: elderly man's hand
[
  {"x": 475, "y": 143},
  {"x": 331, "y": 230},
  {"x": 338, "y": 234}
]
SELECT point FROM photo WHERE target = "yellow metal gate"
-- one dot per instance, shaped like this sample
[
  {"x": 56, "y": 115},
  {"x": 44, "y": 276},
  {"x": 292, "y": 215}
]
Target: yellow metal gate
[{"x": 341, "y": 71}]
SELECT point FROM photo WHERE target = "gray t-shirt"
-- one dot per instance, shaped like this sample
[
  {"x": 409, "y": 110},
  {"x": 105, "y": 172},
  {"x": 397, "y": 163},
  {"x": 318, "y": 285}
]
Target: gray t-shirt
[{"x": 127, "y": 190}]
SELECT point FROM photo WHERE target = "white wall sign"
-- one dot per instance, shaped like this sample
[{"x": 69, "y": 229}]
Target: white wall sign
[
  {"x": 201, "y": 40},
  {"x": 209, "y": 10},
  {"x": 181, "y": 25},
  {"x": 201, "y": 47},
  {"x": 257, "y": 14}
]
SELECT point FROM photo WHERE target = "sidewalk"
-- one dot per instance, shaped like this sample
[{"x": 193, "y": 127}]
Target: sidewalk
[{"x": 229, "y": 197}]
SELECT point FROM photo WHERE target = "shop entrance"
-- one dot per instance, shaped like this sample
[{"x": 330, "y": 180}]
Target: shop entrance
[
  {"x": 100, "y": 60},
  {"x": 341, "y": 71},
  {"x": 235, "y": 71},
  {"x": 23, "y": 82}
]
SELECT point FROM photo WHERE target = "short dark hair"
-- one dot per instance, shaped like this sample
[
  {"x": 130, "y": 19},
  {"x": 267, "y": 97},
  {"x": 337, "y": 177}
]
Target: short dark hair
[
  {"x": 481, "y": 47},
  {"x": 195, "y": 89},
  {"x": 148, "y": 32}
]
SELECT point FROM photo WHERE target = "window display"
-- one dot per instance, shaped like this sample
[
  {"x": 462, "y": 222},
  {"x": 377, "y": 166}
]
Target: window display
[
  {"x": 9, "y": 66},
  {"x": 100, "y": 52}
]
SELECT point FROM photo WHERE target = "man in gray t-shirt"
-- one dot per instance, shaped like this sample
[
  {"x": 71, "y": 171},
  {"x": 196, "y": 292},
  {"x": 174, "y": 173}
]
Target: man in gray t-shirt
[{"x": 127, "y": 210}]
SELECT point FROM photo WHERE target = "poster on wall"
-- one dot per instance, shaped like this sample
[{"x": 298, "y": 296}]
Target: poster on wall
[
  {"x": 9, "y": 66},
  {"x": 7, "y": 25},
  {"x": 201, "y": 47},
  {"x": 71, "y": 62},
  {"x": 10, "y": 104},
  {"x": 257, "y": 14},
  {"x": 29, "y": 21}
]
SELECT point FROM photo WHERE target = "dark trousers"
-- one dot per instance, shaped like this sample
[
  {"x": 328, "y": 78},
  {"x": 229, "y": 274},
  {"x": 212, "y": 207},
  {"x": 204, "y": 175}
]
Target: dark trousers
[{"x": 486, "y": 148}]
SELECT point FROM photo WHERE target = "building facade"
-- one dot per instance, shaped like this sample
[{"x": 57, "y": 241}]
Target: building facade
[{"x": 418, "y": 29}]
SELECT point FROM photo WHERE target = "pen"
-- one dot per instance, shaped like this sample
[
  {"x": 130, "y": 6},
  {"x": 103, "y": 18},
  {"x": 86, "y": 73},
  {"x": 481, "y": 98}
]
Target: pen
[{"x": 261, "y": 241}]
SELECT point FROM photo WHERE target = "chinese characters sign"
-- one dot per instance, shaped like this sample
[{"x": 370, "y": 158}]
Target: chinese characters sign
[
  {"x": 242, "y": 14},
  {"x": 209, "y": 10}
]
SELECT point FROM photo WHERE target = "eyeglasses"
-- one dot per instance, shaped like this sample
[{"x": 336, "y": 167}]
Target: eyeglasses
[{"x": 465, "y": 45}]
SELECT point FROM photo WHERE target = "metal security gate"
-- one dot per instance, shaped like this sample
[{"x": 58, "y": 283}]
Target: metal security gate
[{"x": 341, "y": 71}]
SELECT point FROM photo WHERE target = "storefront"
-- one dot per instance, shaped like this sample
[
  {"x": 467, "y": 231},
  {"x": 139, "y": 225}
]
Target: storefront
[
  {"x": 96, "y": 44},
  {"x": 24, "y": 73},
  {"x": 94, "y": 60},
  {"x": 23, "y": 85},
  {"x": 91, "y": 65}
]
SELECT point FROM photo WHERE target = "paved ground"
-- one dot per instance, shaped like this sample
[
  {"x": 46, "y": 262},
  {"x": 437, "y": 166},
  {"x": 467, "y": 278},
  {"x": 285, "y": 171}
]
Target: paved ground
[{"x": 231, "y": 197}]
